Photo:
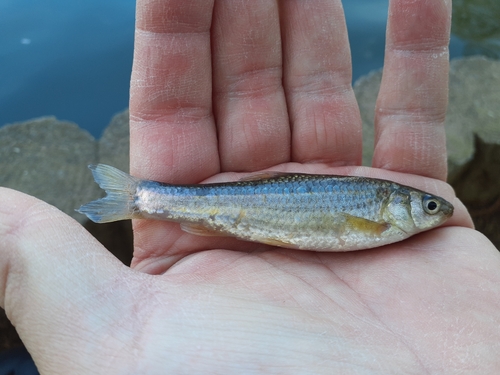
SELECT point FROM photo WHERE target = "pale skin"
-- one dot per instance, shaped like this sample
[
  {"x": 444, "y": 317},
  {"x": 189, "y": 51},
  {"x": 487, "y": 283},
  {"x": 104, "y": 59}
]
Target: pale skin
[{"x": 245, "y": 87}]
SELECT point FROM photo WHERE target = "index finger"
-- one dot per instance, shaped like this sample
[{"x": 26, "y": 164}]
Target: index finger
[{"x": 172, "y": 131}]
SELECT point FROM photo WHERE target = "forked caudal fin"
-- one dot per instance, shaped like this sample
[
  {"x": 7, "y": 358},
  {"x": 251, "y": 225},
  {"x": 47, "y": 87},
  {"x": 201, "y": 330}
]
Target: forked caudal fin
[{"x": 118, "y": 204}]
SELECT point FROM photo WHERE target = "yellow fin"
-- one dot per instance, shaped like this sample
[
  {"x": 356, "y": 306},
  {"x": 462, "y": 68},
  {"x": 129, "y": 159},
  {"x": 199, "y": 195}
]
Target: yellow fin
[
  {"x": 200, "y": 230},
  {"x": 364, "y": 225},
  {"x": 263, "y": 176}
]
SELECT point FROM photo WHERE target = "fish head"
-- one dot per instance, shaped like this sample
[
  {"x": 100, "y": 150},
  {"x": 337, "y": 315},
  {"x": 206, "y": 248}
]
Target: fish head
[
  {"x": 429, "y": 211},
  {"x": 414, "y": 211}
]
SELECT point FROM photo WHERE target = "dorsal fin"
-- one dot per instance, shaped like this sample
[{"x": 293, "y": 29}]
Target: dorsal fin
[{"x": 264, "y": 176}]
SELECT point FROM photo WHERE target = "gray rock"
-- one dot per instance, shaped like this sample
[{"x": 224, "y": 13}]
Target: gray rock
[
  {"x": 366, "y": 89},
  {"x": 114, "y": 143},
  {"x": 47, "y": 158},
  {"x": 473, "y": 110}
]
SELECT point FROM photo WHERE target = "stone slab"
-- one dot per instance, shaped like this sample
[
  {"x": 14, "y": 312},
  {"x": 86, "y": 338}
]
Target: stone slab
[{"x": 47, "y": 158}]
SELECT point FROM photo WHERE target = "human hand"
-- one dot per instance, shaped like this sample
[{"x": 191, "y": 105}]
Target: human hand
[{"x": 212, "y": 95}]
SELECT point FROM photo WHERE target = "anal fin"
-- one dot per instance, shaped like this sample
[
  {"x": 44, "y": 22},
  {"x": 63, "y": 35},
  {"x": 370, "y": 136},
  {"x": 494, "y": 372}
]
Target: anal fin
[
  {"x": 275, "y": 242},
  {"x": 200, "y": 230}
]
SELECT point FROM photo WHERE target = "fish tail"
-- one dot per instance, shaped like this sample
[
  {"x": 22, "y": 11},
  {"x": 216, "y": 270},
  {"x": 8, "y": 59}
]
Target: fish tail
[{"x": 119, "y": 202}]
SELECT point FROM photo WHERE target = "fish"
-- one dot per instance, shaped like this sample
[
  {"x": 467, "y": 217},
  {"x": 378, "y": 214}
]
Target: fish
[{"x": 290, "y": 210}]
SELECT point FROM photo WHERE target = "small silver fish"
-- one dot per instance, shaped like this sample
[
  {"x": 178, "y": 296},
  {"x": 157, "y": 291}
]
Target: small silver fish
[{"x": 298, "y": 211}]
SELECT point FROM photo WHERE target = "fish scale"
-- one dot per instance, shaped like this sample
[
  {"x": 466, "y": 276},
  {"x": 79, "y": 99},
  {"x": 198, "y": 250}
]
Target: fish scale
[{"x": 299, "y": 211}]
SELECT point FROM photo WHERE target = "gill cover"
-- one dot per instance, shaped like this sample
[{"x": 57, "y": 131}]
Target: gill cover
[{"x": 397, "y": 212}]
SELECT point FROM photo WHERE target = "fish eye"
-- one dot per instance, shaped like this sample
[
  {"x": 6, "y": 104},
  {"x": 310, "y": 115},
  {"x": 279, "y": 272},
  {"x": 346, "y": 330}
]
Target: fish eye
[{"x": 431, "y": 205}]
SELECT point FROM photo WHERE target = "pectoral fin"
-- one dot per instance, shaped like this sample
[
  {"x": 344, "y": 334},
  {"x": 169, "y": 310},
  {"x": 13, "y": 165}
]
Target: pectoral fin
[{"x": 359, "y": 224}]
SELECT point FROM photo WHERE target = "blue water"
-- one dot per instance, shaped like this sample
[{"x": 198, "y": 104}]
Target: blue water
[
  {"x": 68, "y": 58},
  {"x": 17, "y": 362},
  {"x": 72, "y": 58}
]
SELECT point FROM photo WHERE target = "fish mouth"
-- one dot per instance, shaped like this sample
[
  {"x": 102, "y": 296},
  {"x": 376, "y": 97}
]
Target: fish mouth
[{"x": 447, "y": 209}]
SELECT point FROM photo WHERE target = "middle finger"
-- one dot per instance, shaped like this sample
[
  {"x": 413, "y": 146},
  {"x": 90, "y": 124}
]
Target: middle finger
[
  {"x": 249, "y": 102},
  {"x": 324, "y": 115}
]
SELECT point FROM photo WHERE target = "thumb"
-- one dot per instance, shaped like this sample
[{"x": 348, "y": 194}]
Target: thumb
[{"x": 60, "y": 288}]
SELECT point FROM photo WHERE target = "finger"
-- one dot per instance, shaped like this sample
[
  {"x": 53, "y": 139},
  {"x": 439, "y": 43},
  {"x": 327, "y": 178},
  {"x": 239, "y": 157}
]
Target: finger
[
  {"x": 413, "y": 96},
  {"x": 326, "y": 124},
  {"x": 172, "y": 132},
  {"x": 57, "y": 283},
  {"x": 249, "y": 102}
]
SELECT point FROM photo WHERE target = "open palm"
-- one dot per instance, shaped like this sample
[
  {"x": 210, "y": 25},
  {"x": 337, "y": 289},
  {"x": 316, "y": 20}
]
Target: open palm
[{"x": 235, "y": 87}]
